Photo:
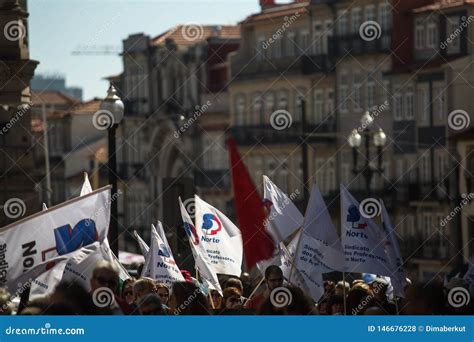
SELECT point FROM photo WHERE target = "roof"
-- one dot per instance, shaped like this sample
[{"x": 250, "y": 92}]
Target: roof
[
  {"x": 191, "y": 34},
  {"x": 277, "y": 11},
  {"x": 442, "y": 4},
  {"x": 88, "y": 107},
  {"x": 52, "y": 98}
]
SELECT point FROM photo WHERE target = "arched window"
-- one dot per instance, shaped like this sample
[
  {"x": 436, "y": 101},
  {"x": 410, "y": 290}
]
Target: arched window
[{"x": 240, "y": 109}]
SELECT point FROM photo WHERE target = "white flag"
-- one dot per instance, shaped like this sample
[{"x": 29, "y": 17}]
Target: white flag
[
  {"x": 86, "y": 186},
  {"x": 159, "y": 262},
  {"x": 286, "y": 218},
  {"x": 161, "y": 232},
  {"x": 362, "y": 241},
  {"x": 398, "y": 277},
  {"x": 78, "y": 267},
  {"x": 220, "y": 238},
  {"x": 60, "y": 230},
  {"x": 309, "y": 280},
  {"x": 319, "y": 249},
  {"x": 142, "y": 244},
  {"x": 201, "y": 259},
  {"x": 44, "y": 208}
]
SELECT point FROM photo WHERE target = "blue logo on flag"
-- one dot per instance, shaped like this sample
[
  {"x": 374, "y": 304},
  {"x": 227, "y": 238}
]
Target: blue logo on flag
[
  {"x": 70, "y": 239},
  {"x": 209, "y": 221}
]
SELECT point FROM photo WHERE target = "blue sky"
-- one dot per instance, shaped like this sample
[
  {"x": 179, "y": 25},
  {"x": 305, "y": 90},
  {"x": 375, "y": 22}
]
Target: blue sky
[{"x": 58, "y": 27}]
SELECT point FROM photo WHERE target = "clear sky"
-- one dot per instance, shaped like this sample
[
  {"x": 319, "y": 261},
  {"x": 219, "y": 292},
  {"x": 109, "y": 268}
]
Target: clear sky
[{"x": 58, "y": 27}]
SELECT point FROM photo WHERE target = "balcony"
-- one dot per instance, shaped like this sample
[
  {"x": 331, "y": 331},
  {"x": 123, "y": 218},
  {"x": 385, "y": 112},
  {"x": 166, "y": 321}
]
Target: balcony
[
  {"x": 247, "y": 135},
  {"x": 217, "y": 179},
  {"x": 355, "y": 45},
  {"x": 306, "y": 64},
  {"x": 419, "y": 192},
  {"x": 417, "y": 247}
]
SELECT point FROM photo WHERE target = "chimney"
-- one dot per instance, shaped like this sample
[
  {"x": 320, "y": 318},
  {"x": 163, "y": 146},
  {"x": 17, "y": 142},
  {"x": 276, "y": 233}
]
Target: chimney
[{"x": 264, "y": 4}]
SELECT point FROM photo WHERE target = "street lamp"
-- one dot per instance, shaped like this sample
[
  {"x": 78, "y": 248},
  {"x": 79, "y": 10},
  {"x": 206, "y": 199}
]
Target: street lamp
[
  {"x": 355, "y": 140},
  {"x": 113, "y": 105}
]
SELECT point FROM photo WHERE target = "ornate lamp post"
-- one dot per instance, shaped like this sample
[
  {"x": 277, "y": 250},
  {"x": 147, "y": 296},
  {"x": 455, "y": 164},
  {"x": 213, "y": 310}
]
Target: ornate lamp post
[
  {"x": 366, "y": 136},
  {"x": 113, "y": 105}
]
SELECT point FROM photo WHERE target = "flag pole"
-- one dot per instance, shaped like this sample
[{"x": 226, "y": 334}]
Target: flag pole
[
  {"x": 255, "y": 289},
  {"x": 396, "y": 305},
  {"x": 344, "y": 291},
  {"x": 210, "y": 298}
]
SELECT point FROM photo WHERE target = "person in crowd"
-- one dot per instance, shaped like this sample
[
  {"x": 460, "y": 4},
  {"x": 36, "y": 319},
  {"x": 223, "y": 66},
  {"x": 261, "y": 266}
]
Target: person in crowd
[
  {"x": 163, "y": 292},
  {"x": 342, "y": 288},
  {"x": 379, "y": 287},
  {"x": 35, "y": 307},
  {"x": 424, "y": 299},
  {"x": 247, "y": 282},
  {"x": 296, "y": 303},
  {"x": 357, "y": 281},
  {"x": 5, "y": 302},
  {"x": 359, "y": 298},
  {"x": 127, "y": 291},
  {"x": 216, "y": 299},
  {"x": 335, "y": 305},
  {"x": 105, "y": 274},
  {"x": 232, "y": 298},
  {"x": 273, "y": 279},
  {"x": 142, "y": 287},
  {"x": 322, "y": 306},
  {"x": 233, "y": 282},
  {"x": 126, "y": 301},
  {"x": 187, "y": 299},
  {"x": 150, "y": 304}
]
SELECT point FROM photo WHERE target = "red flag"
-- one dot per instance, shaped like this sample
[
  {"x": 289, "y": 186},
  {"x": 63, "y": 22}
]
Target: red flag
[{"x": 258, "y": 245}]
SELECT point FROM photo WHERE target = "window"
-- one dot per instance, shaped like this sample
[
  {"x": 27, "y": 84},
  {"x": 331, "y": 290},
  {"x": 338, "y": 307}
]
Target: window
[
  {"x": 276, "y": 48},
  {"x": 318, "y": 98},
  {"x": 240, "y": 110},
  {"x": 385, "y": 16},
  {"x": 343, "y": 93},
  {"x": 304, "y": 40},
  {"x": 260, "y": 50},
  {"x": 291, "y": 45},
  {"x": 318, "y": 38},
  {"x": 329, "y": 103},
  {"x": 399, "y": 169},
  {"x": 269, "y": 106},
  {"x": 370, "y": 13},
  {"x": 257, "y": 109},
  {"x": 440, "y": 167},
  {"x": 425, "y": 167},
  {"x": 328, "y": 32},
  {"x": 319, "y": 171},
  {"x": 385, "y": 92},
  {"x": 432, "y": 32},
  {"x": 409, "y": 104},
  {"x": 438, "y": 103},
  {"x": 299, "y": 94},
  {"x": 342, "y": 22},
  {"x": 331, "y": 175},
  {"x": 424, "y": 105},
  {"x": 357, "y": 96},
  {"x": 283, "y": 99},
  {"x": 356, "y": 19},
  {"x": 453, "y": 26},
  {"x": 420, "y": 35},
  {"x": 370, "y": 94}
]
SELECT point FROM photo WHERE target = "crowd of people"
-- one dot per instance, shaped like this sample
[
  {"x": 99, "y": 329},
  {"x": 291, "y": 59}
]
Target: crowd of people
[{"x": 240, "y": 296}]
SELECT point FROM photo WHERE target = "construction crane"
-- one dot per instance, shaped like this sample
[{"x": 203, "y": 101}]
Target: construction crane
[{"x": 96, "y": 50}]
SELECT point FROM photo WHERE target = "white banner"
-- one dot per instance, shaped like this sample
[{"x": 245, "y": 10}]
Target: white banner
[
  {"x": 284, "y": 215},
  {"x": 220, "y": 238},
  {"x": 159, "y": 262},
  {"x": 319, "y": 249},
  {"x": 309, "y": 280},
  {"x": 398, "y": 276},
  {"x": 201, "y": 259},
  {"x": 362, "y": 241},
  {"x": 142, "y": 244},
  {"x": 59, "y": 230}
]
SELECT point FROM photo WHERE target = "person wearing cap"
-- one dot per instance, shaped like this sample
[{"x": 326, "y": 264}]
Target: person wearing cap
[{"x": 379, "y": 288}]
